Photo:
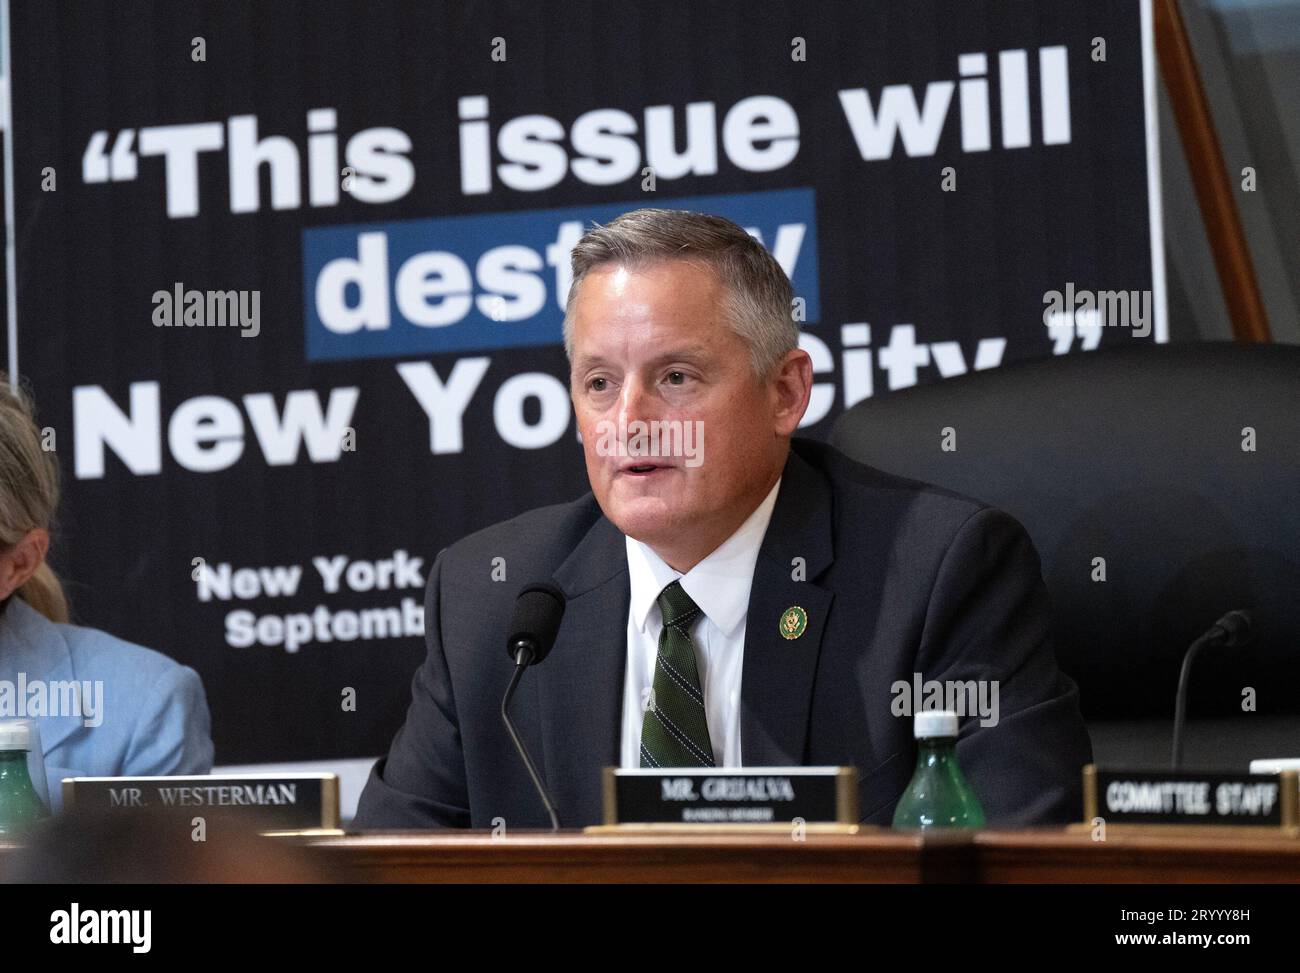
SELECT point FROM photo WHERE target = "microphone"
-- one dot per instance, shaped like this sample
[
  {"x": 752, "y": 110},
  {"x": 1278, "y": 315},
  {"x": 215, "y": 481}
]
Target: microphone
[
  {"x": 533, "y": 627},
  {"x": 1234, "y": 629}
]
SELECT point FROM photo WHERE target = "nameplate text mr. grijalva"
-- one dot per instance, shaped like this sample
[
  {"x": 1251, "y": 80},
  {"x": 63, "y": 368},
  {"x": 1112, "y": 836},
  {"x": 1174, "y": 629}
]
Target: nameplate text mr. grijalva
[
  {"x": 271, "y": 802},
  {"x": 731, "y": 795}
]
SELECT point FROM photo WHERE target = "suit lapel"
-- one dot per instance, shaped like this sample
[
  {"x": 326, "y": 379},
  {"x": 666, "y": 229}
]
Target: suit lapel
[
  {"x": 778, "y": 672},
  {"x": 580, "y": 685}
]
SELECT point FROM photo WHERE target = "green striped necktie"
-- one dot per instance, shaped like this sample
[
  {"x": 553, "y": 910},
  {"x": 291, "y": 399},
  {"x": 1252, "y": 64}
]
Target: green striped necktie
[{"x": 675, "y": 730}]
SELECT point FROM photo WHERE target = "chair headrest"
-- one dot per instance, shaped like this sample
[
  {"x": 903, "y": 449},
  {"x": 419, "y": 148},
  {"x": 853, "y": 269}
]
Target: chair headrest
[{"x": 1177, "y": 466}]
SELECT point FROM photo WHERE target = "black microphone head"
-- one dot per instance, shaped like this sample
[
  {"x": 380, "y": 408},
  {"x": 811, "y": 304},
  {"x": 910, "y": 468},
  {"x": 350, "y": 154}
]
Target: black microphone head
[
  {"x": 1238, "y": 628},
  {"x": 536, "y": 620}
]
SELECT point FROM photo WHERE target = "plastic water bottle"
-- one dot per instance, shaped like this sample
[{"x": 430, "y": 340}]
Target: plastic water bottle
[
  {"x": 20, "y": 806},
  {"x": 938, "y": 796}
]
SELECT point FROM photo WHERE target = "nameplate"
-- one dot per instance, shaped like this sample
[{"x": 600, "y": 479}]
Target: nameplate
[
  {"x": 1191, "y": 797},
  {"x": 731, "y": 796},
  {"x": 270, "y": 802}
]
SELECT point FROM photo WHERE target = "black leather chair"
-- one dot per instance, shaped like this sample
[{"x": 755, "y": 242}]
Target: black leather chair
[{"x": 1136, "y": 456}]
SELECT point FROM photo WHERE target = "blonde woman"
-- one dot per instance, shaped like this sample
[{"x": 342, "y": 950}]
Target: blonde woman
[{"x": 104, "y": 707}]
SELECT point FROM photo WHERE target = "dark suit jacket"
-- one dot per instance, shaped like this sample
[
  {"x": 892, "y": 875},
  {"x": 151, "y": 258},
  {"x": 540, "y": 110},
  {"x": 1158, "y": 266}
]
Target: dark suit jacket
[{"x": 901, "y": 578}]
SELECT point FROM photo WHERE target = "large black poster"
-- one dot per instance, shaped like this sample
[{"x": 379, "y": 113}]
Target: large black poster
[{"x": 290, "y": 275}]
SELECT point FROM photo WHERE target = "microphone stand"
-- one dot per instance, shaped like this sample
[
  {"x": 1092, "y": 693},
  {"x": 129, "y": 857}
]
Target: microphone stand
[
  {"x": 523, "y": 659},
  {"x": 1180, "y": 702}
]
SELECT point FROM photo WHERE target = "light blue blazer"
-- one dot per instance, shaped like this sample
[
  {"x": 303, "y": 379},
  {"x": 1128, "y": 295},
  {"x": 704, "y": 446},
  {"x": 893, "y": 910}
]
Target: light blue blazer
[{"x": 147, "y": 714}]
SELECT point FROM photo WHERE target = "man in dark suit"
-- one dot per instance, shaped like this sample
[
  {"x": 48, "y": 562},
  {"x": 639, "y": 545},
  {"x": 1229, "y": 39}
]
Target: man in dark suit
[{"x": 758, "y": 601}]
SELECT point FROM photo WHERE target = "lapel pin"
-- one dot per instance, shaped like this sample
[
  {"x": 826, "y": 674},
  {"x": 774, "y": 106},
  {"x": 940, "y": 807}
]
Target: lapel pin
[{"x": 794, "y": 622}]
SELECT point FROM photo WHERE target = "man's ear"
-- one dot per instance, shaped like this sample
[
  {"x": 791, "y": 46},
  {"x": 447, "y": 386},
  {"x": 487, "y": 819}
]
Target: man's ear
[
  {"x": 793, "y": 384},
  {"x": 20, "y": 562}
]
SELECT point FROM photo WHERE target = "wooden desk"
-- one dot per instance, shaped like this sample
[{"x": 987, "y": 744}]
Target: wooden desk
[
  {"x": 576, "y": 857},
  {"x": 874, "y": 855},
  {"x": 1135, "y": 855},
  {"x": 1034, "y": 855}
]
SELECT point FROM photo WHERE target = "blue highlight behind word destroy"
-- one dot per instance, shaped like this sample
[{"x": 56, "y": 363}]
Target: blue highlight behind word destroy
[{"x": 461, "y": 283}]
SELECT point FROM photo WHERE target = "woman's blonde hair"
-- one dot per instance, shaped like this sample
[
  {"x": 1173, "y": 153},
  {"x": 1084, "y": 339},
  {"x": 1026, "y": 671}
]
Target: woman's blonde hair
[{"x": 29, "y": 494}]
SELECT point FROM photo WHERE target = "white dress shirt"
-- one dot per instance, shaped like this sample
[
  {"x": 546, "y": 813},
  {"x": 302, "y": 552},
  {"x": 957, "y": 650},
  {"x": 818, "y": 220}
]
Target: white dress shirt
[{"x": 719, "y": 585}]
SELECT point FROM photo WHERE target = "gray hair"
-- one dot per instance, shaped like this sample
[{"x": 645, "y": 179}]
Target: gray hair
[{"x": 759, "y": 295}]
